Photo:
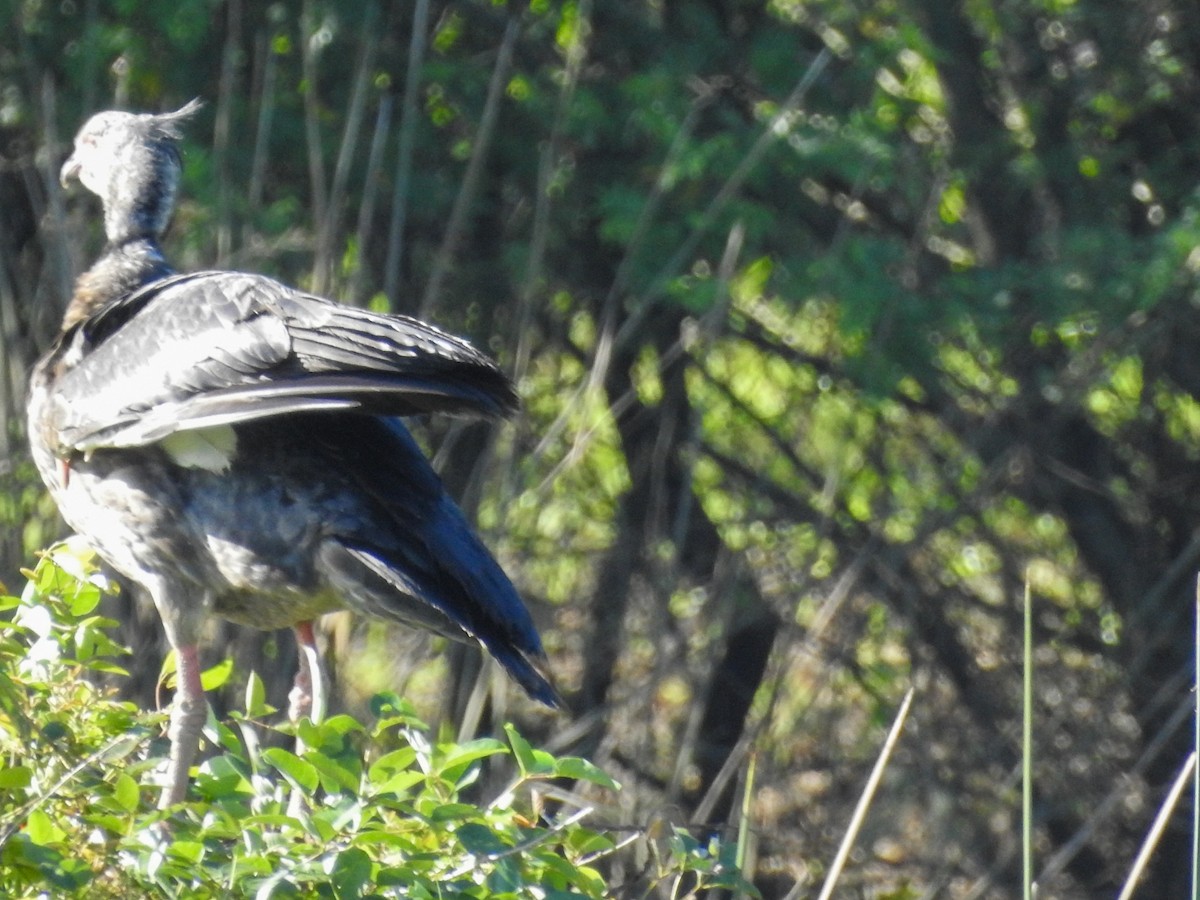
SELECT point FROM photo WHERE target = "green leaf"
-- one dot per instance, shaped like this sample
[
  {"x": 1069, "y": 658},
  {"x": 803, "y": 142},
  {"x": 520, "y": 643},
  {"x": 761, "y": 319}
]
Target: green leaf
[
  {"x": 578, "y": 877},
  {"x": 224, "y": 736},
  {"x": 110, "y": 822},
  {"x": 390, "y": 839},
  {"x": 390, "y": 763},
  {"x": 74, "y": 558},
  {"x": 400, "y": 783},
  {"x": 300, "y": 774},
  {"x": 91, "y": 641},
  {"x": 341, "y": 725},
  {"x": 63, "y": 872},
  {"x": 325, "y": 831},
  {"x": 216, "y": 677},
  {"x": 452, "y": 812},
  {"x": 351, "y": 872},
  {"x": 256, "y": 697},
  {"x": 345, "y": 813},
  {"x": 390, "y": 704},
  {"x": 218, "y": 779},
  {"x": 336, "y": 774},
  {"x": 462, "y": 755},
  {"x": 267, "y": 889},
  {"x": 41, "y": 829},
  {"x": 329, "y": 735},
  {"x": 84, "y": 600},
  {"x": 479, "y": 839},
  {"x": 108, "y": 668},
  {"x": 15, "y": 777},
  {"x": 126, "y": 792},
  {"x": 526, "y": 761},
  {"x": 584, "y": 842},
  {"x": 166, "y": 672},
  {"x": 266, "y": 822},
  {"x": 581, "y": 770},
  {"x": 187, "y": 851},
  {"x": 37, "y": 619}
]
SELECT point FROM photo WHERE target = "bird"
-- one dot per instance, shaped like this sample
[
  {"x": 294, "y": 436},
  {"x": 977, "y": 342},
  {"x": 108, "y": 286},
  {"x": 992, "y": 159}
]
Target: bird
[{"x": 232, "y": 445}]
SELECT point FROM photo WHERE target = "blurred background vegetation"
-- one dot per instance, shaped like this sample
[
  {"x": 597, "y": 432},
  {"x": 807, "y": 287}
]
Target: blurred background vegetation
[{"x": 836, "y": 321}]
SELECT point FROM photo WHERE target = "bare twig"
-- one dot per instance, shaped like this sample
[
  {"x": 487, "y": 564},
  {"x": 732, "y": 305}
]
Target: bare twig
[
  {"x": 65, "y": 252},
  {"x": 91, "y": 47},
  {"x": 309, "y": 50},
  {"x": 262, "y": 132},
  {"x": 408, "y": 128},
  {"x": 612, "y": 300},
  {"x": 366, "y": 211},
  {"x": 864, "y": 801},
  {"x": 221, "y": 127},
  {"x": 328, "y": 224},
  {"x": 1157, "y": 828},
  {"x": 1196, "y": 747},
  {"x": 470, "y": 183},
  {"x": 1027, "y": 883},
  {"x": 609, "y": 310},
  {"x": 611, "y": 336},
  {"x": 547, "y": 166},
  {"x": 1061, "y": 859},
  {"x": 779, "y": 126},
  {"x": 721, "y": 618}
]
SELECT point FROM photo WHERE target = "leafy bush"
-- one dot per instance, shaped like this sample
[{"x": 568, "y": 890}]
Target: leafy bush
[{"x": 356, "y": 811}]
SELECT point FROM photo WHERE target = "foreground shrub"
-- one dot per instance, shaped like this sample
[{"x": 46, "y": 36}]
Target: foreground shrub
[{"x": 384, "y": 810}]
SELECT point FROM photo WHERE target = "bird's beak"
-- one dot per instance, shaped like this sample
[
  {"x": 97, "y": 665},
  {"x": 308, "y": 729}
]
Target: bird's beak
[{"x": 69, "y": 170}]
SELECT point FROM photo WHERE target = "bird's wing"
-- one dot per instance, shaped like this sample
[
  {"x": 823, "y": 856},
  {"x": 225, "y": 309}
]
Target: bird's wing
[{"x": 215, "y": 348}]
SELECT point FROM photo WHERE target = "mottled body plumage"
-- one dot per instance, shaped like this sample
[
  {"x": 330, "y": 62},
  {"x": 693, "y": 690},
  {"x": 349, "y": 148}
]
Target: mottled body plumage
[{"x": 226, "y": 442}]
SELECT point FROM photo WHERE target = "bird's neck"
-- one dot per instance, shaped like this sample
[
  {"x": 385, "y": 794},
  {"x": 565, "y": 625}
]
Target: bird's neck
[
  {"x": 138, "y": 206},
  {"x": 122, "y": 268}
]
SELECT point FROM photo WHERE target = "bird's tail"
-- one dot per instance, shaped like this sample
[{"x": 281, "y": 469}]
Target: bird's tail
[
  {"x": 418, "y": 561},
  {"x": 468, "y": 596}
]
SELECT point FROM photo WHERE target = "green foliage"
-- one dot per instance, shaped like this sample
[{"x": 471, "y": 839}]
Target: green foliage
[
  {"x": 355, "y": 811},
  {"x": 959, "y": 348}
]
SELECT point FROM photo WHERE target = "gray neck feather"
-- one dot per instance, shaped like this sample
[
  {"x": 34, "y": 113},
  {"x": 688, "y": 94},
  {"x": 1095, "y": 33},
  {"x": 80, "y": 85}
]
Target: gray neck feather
[
  {"x": 138, "y": 205},
  {"x": 141, "y": 196}
]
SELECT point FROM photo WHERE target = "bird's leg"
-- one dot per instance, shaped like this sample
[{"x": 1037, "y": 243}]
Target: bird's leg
[
  {"x": 309, "y": 692},
  {"x": 188, "y": 712},
  {"x": 307, "y": 697}
]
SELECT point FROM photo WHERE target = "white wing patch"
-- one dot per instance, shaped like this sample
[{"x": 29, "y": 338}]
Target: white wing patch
[{"x": 202, "y": 448}]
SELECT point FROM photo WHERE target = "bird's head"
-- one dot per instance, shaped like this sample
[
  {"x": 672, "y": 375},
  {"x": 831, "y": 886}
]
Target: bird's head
[{"x": 131, "y": 162}]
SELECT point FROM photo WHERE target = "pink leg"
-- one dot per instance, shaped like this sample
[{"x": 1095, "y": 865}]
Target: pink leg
[
  {"x": 308, "y": 695},
  {"x": 307, "y": 698},
  {"x": 188, "y": 713}
]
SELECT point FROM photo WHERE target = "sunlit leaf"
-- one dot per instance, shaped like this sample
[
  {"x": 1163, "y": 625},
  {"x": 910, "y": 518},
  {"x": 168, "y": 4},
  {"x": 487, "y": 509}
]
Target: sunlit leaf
[{"x": 301, "y": 774}]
